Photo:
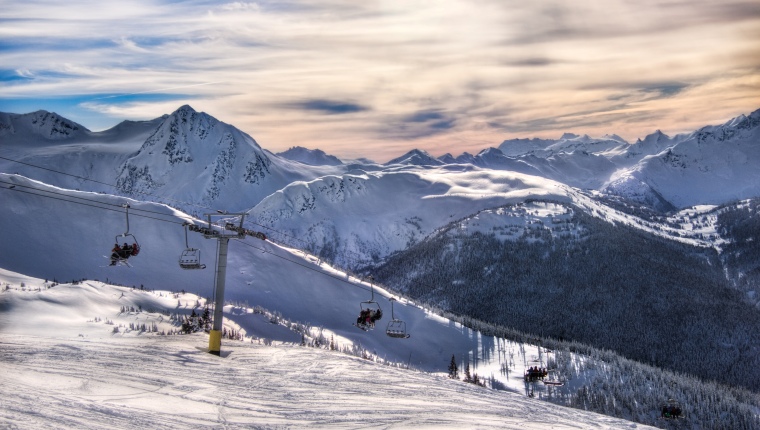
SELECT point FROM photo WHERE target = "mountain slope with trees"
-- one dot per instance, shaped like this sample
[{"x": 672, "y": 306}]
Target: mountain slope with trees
[{"x": 611, "y": 286}]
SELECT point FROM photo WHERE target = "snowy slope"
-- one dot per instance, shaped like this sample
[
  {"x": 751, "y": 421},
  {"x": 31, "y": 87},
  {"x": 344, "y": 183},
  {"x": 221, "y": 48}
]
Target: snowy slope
[
  {"x": 360, "y": 217},
  {"x": 297, "y": 286},
  {"x": 713, "y": 165},
  {"x": 261, "y": 273},
  {"x": 50, "y": 142},
  {"x": 68, "y": 347}
]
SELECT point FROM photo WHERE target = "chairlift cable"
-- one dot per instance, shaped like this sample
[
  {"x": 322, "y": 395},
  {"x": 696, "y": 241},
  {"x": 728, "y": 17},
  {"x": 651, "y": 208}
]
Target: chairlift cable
[
  {"x": 114, "y": 209},
  {"x": 304, "y": 266},
  {"x": 102, "y": 183},
  {"x": 355, "y": 255},
  {"x": 85, "y": 204},
  {"x": 79, "y": 198}
]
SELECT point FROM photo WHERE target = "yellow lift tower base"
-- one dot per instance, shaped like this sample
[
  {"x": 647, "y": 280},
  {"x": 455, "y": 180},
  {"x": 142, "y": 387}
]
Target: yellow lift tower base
[{"x": 215, "y": 342}]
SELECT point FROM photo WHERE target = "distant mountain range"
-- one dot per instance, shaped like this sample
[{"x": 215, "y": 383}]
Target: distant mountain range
[
  {"x": 361, "y": 212},
  {"x": 191, "y": 157}
]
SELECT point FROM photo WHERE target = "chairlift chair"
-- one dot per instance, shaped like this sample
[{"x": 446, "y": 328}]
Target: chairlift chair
[
  {"x": 190, "y": 257},
  {"x": 370, "y": 306},
  {"x": 396, "y": 328},
  {"x": 672, "y": 410},
  {"x": 130, "y": 247}
]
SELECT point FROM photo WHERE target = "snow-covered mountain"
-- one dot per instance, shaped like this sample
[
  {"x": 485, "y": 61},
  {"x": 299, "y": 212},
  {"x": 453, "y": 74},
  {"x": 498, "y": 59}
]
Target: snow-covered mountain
[
  {"x": 567, "y": 143},
  {"x": 713, "y": 165},
  {"x": 312, "y": 157},
  {"x": 187, "y": 158},
  {"x": 578, "y": 169},
  {"x": 45, "y": 125},
  {"x": 338, "y": 216},
  {"x": 415, "y": 157},
  {"x": 192, "y": 157},
  {"x": 45, "y": 143}
]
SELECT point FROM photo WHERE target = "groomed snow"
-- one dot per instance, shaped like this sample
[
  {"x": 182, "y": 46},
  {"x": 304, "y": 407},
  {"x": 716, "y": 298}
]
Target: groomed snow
[{"x": 64, "y": 367}]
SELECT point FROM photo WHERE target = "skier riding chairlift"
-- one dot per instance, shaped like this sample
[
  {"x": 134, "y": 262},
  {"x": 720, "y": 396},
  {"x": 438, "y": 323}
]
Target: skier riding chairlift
[
  {"x": 120, "y": 254},
  {"x": 370, "y": 311}
]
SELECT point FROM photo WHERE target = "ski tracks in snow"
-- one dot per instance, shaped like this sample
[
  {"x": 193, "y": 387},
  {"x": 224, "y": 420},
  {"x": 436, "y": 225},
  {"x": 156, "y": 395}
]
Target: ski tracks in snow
[{"x": 170, "y": 382}]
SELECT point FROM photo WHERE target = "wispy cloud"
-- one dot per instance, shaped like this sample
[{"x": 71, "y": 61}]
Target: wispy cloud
[
  {"x": 331, "y": 107},
  {"x": 363, "y": 78}
]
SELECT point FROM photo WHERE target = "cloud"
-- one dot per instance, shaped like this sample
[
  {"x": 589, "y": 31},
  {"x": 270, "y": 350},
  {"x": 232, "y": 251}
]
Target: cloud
[
  {"x": 330, "y": 107},
  {"x": 665, "y": 89},
  {"x": 366, "y": 74},
  {"x": 530, "y": 62},
  {"x": 417, "y": 125},
  {"x": 14, "y": 75}
]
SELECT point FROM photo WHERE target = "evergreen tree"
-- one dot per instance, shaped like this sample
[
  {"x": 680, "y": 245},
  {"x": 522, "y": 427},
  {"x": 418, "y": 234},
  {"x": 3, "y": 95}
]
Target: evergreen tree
[
  {"x": 467, "y": 376},
  {"x": 453, "y": 370},
  {"x": 206, "y": 319},
  {"x": 187, "y": 328}
]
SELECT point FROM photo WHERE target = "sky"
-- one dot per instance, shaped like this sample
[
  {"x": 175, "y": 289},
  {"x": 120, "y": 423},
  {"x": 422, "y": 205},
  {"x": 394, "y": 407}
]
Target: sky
[{"x": 378, "y": 78}]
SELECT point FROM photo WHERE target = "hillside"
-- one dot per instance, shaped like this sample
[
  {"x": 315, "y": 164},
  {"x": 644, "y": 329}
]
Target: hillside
[
  {"x": 297, "y": 288},
  {"x": 339, "y": 218},
  {"x": 566, "y": 275},
  {"x": 91, "y": 371}
]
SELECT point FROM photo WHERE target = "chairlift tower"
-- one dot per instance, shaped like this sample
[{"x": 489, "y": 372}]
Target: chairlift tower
[{"x": 229, "y": 231}]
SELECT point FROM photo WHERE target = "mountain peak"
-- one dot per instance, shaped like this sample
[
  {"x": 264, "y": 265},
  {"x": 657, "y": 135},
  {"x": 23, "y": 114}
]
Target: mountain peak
[
  {"x": 312, "y": 157},
  {"x": 447, "y": 158},
  {"x": 416, "y": 157},
  {"x": 466, "y": 157},
  {"x": 53, "y": 126},
  {"x": 491, "y": 152},
  {"x": 614, "y": 137},
  {"x": 185, "y": 109}
]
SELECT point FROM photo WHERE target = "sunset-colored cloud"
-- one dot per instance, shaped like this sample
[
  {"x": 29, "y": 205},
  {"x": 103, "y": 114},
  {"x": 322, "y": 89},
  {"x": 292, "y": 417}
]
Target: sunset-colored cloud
[{"x": 379, "y": 78}]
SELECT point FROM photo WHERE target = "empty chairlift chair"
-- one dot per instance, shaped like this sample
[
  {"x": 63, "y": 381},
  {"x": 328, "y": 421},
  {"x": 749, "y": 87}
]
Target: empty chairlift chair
[
  {"x": 190, "y": 257},
  {"x": 396, "y": 327}
]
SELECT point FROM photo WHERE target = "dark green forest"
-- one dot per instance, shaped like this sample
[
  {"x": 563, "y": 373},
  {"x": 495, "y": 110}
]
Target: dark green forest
[{"x": 650, "y": 299}]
